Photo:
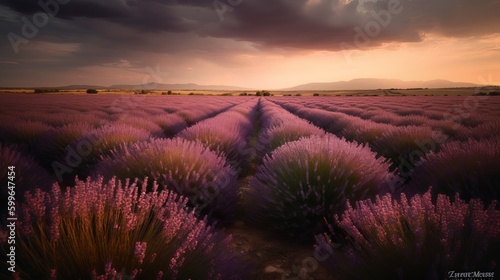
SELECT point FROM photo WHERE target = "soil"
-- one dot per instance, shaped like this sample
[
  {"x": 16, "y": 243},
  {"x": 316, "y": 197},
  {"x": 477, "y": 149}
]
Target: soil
[{"x": 272, "y": 255}]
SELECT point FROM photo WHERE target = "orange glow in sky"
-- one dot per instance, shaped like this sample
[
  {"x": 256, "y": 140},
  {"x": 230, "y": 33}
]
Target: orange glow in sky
[{"x": 253, "y": 44}]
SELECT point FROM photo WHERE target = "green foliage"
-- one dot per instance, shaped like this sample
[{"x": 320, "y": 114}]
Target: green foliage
[
  {"x": 142, "y": 91},
  {"x": 262, "y": 93},
  {"x": 45, "y": 90}
]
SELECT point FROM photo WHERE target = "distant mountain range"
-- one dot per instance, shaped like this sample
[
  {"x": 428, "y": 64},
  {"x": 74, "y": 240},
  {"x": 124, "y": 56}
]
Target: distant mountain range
[
  {"x": 356, "y": 84},
  {"x": 364, "y": 84}
]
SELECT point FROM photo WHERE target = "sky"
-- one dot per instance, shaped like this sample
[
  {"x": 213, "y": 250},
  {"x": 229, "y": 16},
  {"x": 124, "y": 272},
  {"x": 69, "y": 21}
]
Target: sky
[{"x": 266, "y": 44}]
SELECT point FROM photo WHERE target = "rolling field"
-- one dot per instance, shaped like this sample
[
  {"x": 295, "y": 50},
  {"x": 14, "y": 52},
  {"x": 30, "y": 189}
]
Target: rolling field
[{"x": 220, "y": 187}]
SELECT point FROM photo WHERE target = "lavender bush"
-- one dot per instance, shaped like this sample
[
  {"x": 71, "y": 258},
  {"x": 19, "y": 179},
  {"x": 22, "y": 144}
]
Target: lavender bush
[
  {"x": 143, "y": 122},
  {"x": 279, "y": 135},
  {"x": 193, "y": 115},
  {"x": 280, "y": 126},
  {"x": 186, "y": 167},
  {"x": 170, "y": 123},
  {"x": 272, "y": 115},
  {"x": 24, "y": 132},
  {"x": 482, "y": 131},
  {"x": 469, "y": 168},
  {"x": 113, "y": 230},
  {"x": 227, "y": 133},
  {"x": 113, "y": 135},
  {"x": 218, "y": 138},
  {"x": 415, "y": 239},
  {"x": 385, "y": 117},
  {"x": 59, "y": 118},
  {"x": 406, "y": 146},
  {"x": 28, "y": 173},
  {"x": 365, "y": 131},
  {"x": 332, "y": 122},
  {"x": 95, "y": 144},
  {"x": 53, "y": 145},
  {"x": 416, "y": 120},
  {"x": 312, "y": 178},
  {"x": 451, "y": 129}
]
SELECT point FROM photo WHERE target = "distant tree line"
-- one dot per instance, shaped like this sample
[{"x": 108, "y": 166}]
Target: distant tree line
[
  {"x": 170, "y": 93},
  {"x": 45, "y": 90},
  {"x": 262, "y": 93},
  {"x": 491, "y": 93}
]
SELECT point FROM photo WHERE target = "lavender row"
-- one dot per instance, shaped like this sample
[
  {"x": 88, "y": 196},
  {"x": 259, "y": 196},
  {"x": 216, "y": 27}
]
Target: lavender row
[
  {"x": 416, "y": 238},
  {"x": 155, "y": 114},
  {"x": 279, "y": 126},
  {"x": 457, "y": 117},
  {"x": 420, "y": 106},
  {"x": 413, "y": 151},
  {"x": 394, "y": 143},
  {"x": 307, "y": 174},
  {"x": 69, "y": 136},
  {"x": 227, "y": 133},
  {"x": 115, "y": 230},
  {"x": 187, "y": 167},
  {"x": 65, "y": 109},
  {"x": 202, "y": 163}
]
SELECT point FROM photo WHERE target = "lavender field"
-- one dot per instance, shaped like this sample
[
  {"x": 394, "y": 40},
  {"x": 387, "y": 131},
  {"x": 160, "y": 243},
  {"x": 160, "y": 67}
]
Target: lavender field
[{"x": 196, "y": 187}]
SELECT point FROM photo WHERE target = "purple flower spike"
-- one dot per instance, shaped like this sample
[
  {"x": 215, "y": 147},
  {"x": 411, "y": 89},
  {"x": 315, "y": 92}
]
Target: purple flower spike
[{"x": 306, "y": 180}]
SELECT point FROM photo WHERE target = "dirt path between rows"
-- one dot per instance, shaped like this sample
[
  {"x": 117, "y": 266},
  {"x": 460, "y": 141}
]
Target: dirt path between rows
[{"x": 273, "y": 256}]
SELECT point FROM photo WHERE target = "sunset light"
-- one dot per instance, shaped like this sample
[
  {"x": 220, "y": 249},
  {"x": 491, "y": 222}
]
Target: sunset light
[{"x": 251, "y": 44}]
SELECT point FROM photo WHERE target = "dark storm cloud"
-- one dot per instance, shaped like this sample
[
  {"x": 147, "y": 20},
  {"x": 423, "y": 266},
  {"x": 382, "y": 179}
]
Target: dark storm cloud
[
  {"x": 95, "y": 33},
  {"x": 325, "y": 24},
  {"x": 151, "y": 15},
  {"x": 316, "y": 24},
  {"x": 102, "y": 9}
]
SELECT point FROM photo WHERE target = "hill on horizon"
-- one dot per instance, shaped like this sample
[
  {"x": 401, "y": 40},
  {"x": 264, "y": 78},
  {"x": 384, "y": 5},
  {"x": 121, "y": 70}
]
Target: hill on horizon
[
  {"x": 367, "y": 84},
  {"x": 355, "y": 84}
]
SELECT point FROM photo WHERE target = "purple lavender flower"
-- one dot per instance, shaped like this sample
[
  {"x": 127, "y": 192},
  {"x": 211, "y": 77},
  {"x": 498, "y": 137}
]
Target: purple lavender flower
[
  {"x": 186, "y": 167},
  {"x": 22, "y": 132},
  {"x": 280, "y": 126},
  {"x": 468, "y": 168},
  {"x": 406, "y": 146},
  {"x": 142, "y": 122},
  {"x": 115, "y": 229},
  {"x": 53, "y": 145},
  {"x": 170, "y": 123},
  {"x": 365, "y": 131},
  {"x": 413, "y": 239},
  {"x": 140, "y": 251},
  {"x": 306, "y": 180},
  {"x": 227, "y": 132},
  {"x": 29, "y": 174},
  {"x": 482, "y": 131}
]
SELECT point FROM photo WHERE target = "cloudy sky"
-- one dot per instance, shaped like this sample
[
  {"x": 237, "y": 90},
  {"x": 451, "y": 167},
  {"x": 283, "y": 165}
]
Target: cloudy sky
[{"x": 250, "y": 43}]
